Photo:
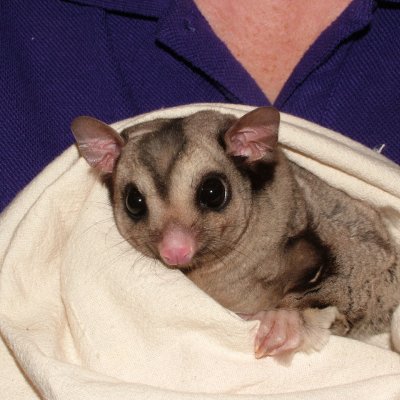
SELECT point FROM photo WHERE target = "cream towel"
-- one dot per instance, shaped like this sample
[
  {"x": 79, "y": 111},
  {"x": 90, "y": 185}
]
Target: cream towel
[{"x": 83, "y": 316}]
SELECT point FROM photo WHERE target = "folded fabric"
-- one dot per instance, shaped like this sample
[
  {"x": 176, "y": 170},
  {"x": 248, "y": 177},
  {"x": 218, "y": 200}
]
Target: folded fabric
[{"x": 84, "y": 316}]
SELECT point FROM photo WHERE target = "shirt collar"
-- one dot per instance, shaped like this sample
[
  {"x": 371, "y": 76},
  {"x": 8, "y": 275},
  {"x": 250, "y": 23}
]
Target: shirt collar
[
  {"x": 150, "y": 8},
  {"x": 177, "y": 19},
  {"x": 145, "y": 8}
]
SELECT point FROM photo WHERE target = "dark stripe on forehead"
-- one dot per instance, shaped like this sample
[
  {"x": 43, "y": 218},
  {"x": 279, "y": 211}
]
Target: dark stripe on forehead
[{"x": 159, "y": 151}]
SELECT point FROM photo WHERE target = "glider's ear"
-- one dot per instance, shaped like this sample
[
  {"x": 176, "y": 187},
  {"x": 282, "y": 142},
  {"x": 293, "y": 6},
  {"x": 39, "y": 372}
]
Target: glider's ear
[
  {"x": 254, "y": 136},
  {"x": 98, "y": 143}
]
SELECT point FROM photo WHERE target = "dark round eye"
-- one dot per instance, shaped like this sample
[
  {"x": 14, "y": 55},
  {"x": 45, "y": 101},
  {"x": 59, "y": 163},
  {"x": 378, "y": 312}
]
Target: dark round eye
[
  {"x": 135, "y": 202},
  {"x": 213, "y": 193}
]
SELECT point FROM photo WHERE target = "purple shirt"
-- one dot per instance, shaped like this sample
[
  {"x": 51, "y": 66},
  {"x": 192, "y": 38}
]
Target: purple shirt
[{"x": 115, "y": 59}]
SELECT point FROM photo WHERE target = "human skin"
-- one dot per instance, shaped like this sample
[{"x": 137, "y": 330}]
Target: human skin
[{"x": 269, "y": 37}]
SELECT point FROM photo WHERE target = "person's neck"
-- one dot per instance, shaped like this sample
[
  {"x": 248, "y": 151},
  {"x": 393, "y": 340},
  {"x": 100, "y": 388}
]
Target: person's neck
[{"x": 269, "y": 37}]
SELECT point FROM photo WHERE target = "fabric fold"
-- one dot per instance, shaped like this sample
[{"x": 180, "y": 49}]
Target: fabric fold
[{"x": 84, "y": 316}]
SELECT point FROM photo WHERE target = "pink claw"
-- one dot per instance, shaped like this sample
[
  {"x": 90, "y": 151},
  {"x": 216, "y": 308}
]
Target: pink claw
[{"x": 280, "y": 332}]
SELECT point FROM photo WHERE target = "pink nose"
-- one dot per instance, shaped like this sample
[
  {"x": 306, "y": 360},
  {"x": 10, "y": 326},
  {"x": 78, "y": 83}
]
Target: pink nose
[
  {"x": 177, "y": 256},
  {"x": 177, "y": 246}
]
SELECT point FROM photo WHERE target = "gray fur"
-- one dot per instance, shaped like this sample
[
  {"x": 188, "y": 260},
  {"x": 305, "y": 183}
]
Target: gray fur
[{"x": 286, "y": 241}]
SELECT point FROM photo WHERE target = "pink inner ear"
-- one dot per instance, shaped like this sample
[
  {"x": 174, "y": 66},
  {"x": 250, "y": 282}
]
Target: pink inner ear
[
  {"x": 255, "y": 135},
  {"x": 252, "y": 143},
  {"x": 98, "y": 142},
  {"x": 100, "y": 153}
]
